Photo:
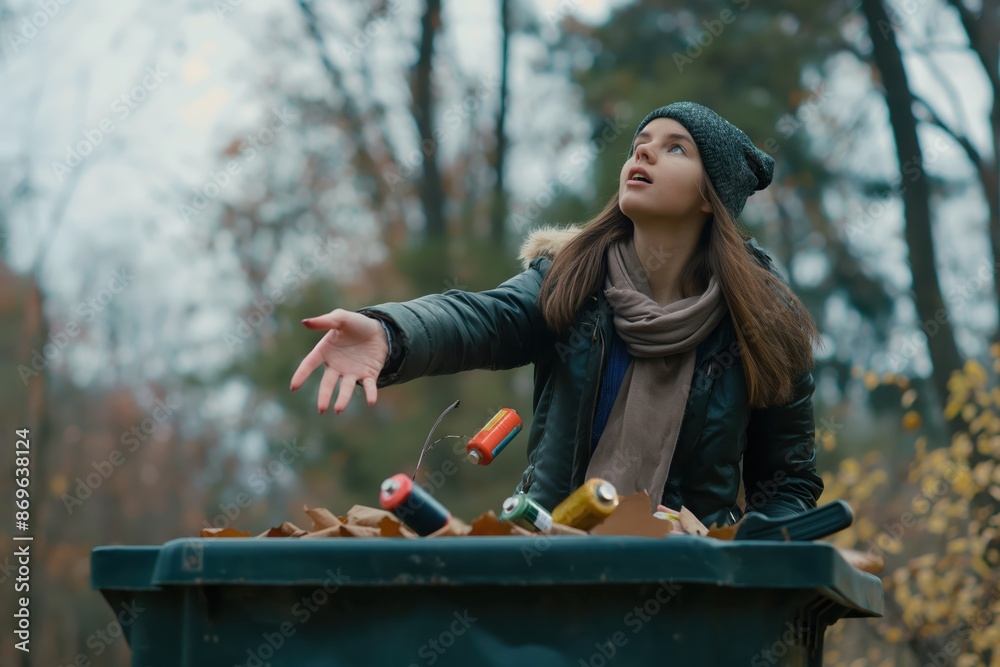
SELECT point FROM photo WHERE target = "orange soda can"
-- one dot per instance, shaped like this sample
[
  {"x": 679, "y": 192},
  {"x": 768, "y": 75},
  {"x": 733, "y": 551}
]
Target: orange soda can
[
  {"x": 589, "y": 505},
  {"x": 484, "y": 446}
]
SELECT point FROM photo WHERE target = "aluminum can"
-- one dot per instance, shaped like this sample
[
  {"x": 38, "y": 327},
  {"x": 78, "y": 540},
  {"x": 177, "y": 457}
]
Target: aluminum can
[
  {"x": 413, "y": 505},
  {"x": 589, "y": 505},
  {"x": 484, "y": 446}
]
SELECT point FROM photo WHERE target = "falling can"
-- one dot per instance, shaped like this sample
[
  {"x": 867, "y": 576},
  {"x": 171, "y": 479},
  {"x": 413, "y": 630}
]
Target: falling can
[
  {"x": 484, "y": 446},
  {"x": 412, "y": 505}
]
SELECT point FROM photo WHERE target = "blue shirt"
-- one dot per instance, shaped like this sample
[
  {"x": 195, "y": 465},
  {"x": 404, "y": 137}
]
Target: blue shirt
[{"x": 611, "y": 382}]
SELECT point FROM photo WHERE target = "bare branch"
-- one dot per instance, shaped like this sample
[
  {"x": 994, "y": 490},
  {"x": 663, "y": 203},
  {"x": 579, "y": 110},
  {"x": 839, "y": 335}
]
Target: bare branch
[
  {"x": 960, "y": 139},
  {"x": 982, "y": 47}
]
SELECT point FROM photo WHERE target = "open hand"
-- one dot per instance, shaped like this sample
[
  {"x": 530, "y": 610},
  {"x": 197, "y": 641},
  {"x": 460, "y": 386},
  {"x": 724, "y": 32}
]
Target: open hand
[{"x": 353, "y": 350}]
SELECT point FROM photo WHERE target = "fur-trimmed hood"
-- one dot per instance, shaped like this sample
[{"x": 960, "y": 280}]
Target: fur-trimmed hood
[{"x": 545, "y": 242}]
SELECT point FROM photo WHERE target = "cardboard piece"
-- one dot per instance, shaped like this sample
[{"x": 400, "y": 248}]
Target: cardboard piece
[{"x": 632, "y": 517}]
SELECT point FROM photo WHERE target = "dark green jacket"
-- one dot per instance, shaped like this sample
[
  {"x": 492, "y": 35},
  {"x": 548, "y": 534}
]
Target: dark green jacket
[{"x": 503, "y": 328}]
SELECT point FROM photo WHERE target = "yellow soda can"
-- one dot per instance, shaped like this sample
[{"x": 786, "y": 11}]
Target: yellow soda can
[{"x": 588, "y": 506}]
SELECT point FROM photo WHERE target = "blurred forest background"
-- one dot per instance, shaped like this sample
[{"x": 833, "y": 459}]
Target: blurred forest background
[{"x": 182, "y": 182}]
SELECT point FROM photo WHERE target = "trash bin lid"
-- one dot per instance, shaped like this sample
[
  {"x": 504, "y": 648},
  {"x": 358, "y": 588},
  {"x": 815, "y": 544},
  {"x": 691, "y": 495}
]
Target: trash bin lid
[{"x": 506, "y": 561}]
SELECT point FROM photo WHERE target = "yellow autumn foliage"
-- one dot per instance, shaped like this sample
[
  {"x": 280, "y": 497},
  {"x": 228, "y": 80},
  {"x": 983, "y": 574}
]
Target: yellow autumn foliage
[{"x": 942, "y": 553}]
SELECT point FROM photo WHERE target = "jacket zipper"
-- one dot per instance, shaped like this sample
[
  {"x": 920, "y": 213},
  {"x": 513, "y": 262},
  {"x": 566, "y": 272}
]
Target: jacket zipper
[
  {"x": 600, "y": 369},
  {"x": 527, "y": 481}
]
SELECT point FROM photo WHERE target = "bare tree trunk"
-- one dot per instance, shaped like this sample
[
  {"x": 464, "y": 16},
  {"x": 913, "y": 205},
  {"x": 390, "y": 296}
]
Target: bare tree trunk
[
  {"x": 916, "y": 192},
  {"x": 499, "y": 212},
  {"x": 983, "y": 30},
  {"x": 431, "y": 190}
]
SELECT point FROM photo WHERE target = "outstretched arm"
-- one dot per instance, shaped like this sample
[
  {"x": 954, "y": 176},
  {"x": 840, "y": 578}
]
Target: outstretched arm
[
  {"x": 457, "y": 331},
  {"x": 433, "y": 335}
]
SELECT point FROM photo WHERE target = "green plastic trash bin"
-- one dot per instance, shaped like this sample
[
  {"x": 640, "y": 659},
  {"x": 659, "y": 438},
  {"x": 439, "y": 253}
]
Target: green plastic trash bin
[{"x": 472, "y": 601}]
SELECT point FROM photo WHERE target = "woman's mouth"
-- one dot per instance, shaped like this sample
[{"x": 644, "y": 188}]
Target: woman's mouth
[{"x": 637, "y": 176}]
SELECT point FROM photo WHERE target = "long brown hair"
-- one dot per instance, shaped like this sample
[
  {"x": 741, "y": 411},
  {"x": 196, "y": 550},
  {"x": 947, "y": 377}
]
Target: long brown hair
[{"x": 774, "y": 329}]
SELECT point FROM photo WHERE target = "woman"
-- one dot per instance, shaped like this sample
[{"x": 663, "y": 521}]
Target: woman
[{"x": 667, "y": 349}]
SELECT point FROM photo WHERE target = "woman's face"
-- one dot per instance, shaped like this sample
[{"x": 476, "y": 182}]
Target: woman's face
[{"x": 662, "y": 178}]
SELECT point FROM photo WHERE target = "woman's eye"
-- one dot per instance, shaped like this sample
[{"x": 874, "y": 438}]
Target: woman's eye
[{"x": 678, "y": 147}]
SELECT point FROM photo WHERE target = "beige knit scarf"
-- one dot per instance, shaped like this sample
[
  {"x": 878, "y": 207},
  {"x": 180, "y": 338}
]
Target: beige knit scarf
[{"x": 637, "y": 445}]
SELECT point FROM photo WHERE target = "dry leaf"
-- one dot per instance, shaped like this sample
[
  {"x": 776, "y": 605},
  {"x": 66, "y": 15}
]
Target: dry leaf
[
  {"x": 362, "y": 515},
  {"x": 489, "y": 524},
  {"x": 286, "y": 529},
  {"x": 224, "y": 532},
  {"x": 690, "y": 524},
  {"x": 321, "y": 518},
  {"x": 390, "y": 526},
  {"x": 633, "y": 517}
]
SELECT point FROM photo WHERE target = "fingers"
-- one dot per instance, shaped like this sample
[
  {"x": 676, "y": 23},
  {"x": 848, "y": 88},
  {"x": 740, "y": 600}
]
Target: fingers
[
  {"x": 311, "y": 361},
  {"x": 332, "y": 320},
  {"x": 371, "y": 390},
  {"x": 326, "y": 386},
  {"x": 315, "y": 357},
  {"x": 347, "y": 383}
]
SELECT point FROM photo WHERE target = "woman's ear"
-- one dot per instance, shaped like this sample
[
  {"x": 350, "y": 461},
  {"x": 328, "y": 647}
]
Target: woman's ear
[{"x": 706, "y": 205}]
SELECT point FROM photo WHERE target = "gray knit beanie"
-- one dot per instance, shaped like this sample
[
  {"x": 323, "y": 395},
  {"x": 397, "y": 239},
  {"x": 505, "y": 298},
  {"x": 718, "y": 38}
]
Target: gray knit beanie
[{"x": 735, "y": 166}]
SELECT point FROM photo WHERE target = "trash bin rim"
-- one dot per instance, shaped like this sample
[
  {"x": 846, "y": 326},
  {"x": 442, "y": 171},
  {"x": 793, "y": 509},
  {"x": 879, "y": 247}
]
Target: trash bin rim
[{"x": 504, "y": 561}]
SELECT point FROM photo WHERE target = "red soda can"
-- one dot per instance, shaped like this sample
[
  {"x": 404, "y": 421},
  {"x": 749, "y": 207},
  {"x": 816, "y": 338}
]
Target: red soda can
[
  {"x": 412, "y": 505},
  {"x": 490, "y": 441}
]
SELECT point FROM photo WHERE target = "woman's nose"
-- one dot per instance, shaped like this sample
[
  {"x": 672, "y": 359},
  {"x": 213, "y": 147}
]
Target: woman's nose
[{"x": 643, "y": 152}]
